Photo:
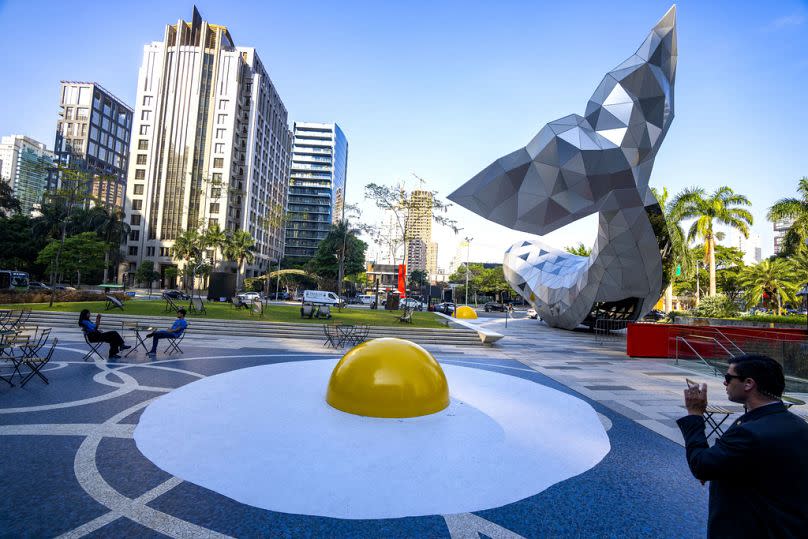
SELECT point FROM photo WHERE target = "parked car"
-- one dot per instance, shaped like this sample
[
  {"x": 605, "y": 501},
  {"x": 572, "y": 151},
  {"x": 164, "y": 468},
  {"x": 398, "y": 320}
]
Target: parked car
[
  {"x": 654, "y": 315},
  {"x": 280, "y": 296},
  {"x": 447, "y": 307},
  {"x": 36, "y": 285},
  {"x": 532, "y": 314},
  {"x": 411, "y": 303},
  {"x": 250, "y": 296},
  {"x": 65, "y": 287},
  {"x": 175, "y": 294},
  {"x": 494, "y": 306}
]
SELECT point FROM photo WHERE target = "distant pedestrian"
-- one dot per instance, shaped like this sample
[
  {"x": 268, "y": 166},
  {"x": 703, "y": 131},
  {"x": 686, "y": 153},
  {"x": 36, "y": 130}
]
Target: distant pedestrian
[{"x": 758, "y": 470}]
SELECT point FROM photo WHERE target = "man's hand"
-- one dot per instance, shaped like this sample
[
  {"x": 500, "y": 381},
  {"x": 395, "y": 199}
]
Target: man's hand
[{"x": 696, "y": 399}]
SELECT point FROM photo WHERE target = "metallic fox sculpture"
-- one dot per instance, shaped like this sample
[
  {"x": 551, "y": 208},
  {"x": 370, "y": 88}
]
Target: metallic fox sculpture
[{"x": 577, "y": 166}]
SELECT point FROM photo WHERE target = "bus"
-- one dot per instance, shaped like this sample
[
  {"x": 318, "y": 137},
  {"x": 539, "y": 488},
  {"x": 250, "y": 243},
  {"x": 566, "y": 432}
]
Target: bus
[{"x": 13, "y": 280}]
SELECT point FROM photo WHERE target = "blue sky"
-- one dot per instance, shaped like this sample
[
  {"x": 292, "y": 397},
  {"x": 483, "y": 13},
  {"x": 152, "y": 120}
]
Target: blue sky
[{"x": 441, "y": 89}]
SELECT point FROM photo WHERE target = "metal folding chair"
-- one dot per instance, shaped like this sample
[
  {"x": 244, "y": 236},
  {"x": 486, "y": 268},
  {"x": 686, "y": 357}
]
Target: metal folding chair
[
  {"x": 18, "y": 341},
  {"x": 36, "y": 364},
  {"x": 5, "y": 319},
  {"x": 332, "y": 335},
  {"x": 38, "y": 340},
  {"x": 174, "y": 345},
  {"x": 94, "y": 346}
]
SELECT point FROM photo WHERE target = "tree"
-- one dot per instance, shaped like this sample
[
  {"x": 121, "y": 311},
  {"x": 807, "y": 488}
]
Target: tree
[
  {"x": 679, "y": 248},
  {"x": 110, "y": 226},
  {"x": 80, "y": 253},
  {"x": 580, "y": 249},
  {"x": 795, "y": 209},
  {"x": 145, "y": 273},
  {"x": 417, "y": 279},
  {"x": 722, "y": 207},
  {"x": 770, "y": 280},
  {"x": 9, "y": 204},
  {"x": 170, "y": 273},
  {"x": 215, "y": 239},
  {"x": 491, "y": 281},
  {"x": 18, "y": 246},
  {"x": 239, "y": 248},
  {"x": 187, "y": 246},
  {"x": 326, "y": 260},
  {"x": 403, "y": 207}
]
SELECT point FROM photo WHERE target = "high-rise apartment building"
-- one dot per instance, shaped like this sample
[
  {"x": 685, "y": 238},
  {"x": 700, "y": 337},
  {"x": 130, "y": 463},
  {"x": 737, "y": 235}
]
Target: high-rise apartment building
[
  {"x": 210, "y": 146},
  {"x": 780, "y": 229},
  {"x": 93, "y": 134},
  {"x": 25, "y": 165},
  {"x": 316, "y": 186},
  {"x": 750, "y": 247},
  {"x": 419, "y": 230}
]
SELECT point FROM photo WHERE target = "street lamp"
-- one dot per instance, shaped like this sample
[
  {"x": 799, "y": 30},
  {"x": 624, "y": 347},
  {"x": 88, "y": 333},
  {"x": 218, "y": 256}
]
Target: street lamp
[{"x": 468, "y": 241}]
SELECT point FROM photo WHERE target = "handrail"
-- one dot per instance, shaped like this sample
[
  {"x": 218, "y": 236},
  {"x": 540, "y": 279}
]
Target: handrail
[
  {"x": 730, "y": 341},
  {"x": 684, "y": 340},
  {"x": 705, "y": 337}
]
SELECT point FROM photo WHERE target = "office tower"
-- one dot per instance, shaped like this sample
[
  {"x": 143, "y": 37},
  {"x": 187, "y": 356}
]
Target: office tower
[
  {"x": 419, "y": 230},
  {"x": 25, "y": 165},
  {"x": 432, "y": 258},
  {"x": 780, "y": 229},
  {"x": 93, "y": 134},
  {"x": 316, "y": 186},
  {"x": 750, "y": 247},
  {"x": 210, "y": 147}
]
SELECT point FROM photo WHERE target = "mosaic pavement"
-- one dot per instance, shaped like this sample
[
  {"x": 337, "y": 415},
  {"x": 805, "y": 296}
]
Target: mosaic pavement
[{"x": 71, "y": 468}]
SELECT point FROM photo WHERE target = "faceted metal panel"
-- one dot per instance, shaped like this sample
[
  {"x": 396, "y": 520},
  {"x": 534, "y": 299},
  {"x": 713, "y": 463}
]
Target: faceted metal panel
[{"x": 576, "y": 166}]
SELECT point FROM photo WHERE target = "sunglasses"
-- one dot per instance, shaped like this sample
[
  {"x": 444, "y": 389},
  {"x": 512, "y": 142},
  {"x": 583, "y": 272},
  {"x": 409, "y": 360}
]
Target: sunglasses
[{"x": 728, "y": 377}]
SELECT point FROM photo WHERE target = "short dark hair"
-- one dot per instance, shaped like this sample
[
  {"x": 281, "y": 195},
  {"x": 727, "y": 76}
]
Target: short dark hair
[
  {"x": 766, "y": 372},
  {"x": 181, "y": 311}
]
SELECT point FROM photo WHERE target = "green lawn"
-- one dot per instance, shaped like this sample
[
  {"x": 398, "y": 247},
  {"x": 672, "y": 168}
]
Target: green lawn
[{"x": 272, "y": 313}]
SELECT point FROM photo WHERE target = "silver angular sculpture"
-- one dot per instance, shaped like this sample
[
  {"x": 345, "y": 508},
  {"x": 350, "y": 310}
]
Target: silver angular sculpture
[{"x": 577, "y": 166}]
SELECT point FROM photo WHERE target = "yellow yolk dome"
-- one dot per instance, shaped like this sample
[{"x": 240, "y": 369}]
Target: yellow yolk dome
[
  {"x": 464, "y": 311},
  {"x": 388, "y": 378}
]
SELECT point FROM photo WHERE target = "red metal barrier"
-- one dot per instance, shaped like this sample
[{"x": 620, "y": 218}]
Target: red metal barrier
[{"x": 658, "y": 340}]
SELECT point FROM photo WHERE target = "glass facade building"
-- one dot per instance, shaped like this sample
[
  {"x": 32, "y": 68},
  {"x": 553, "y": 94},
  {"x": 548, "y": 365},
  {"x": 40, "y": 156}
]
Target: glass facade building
[
  {"x": 25, "y": 165},
  {"x": 93, "y": 133},
  {"x": 316, "y": 186}
]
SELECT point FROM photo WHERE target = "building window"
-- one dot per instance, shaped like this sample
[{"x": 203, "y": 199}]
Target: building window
[
  {"x": 135, "y": 220},
  {"x": 134, "y": 235},
  {"x": 139, "y": 189},
  {"x": 220, "y": 133},
  {"x": 144, "y": 129},
  {"x": 149, "y": 251},
  {"x": 214, "y": 207},
  {"x": 218, "y": 162},
  {"x": 217, "y": 177},
  {"x": 133, "y": 250},
  {"x": 141, "y": 159},
  {"x": 212, "y": 222},
  {"x": 145, "y": 115},
  {"x": 223, "y": 104},
  {"x": 137, "y": 204},
  {"x": 218, "y": 148},
  {"x": 221, "y": 118},
  {"x": 140, "y": 174},
  {"x": 165, "y": 251},
  {"x": 143, "y": 144},
  {"x": 147, "y": 100},
  {"x": 215, "y": 192}
]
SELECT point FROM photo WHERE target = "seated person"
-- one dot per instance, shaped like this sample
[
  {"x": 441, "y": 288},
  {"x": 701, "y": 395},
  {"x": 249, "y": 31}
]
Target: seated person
[
  {"x": 175, "y": 331},
  {"x": 95, "y": 335}
]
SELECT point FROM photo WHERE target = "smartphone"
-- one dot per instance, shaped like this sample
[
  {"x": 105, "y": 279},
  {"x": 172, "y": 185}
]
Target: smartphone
[{"x": 691, "y": 384}]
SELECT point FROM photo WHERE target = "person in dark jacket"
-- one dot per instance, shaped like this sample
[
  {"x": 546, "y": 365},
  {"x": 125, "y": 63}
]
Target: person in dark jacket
[
  {"x": 758, "y": 470},
  {"x": 114, "y": 338}
]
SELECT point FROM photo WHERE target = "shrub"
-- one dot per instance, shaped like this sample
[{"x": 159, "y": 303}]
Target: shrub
[
  {"x": 40, "y": 296},
  {"x": 253, "y": 284},
  {"x": 717, "y": 306}
]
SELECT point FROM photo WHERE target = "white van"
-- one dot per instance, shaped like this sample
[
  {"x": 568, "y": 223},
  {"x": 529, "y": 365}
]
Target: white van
[
  {"x": 320, "y": 297},
  {"x": 366, "y": 299}
]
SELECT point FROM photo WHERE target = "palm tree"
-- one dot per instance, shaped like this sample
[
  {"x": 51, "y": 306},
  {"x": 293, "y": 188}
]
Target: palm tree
[
  {"x": 239, "y": 247},
  {"x": 187, "y": 246},
  {"x": 795, "y": 209},
  {"x": 110, "y": 226},
  {"x": 681, "y": 253},
  {"x": 771, "y": 279},
  {"x": 215, "y": 238},
  {"x": 720, "y": 207}
]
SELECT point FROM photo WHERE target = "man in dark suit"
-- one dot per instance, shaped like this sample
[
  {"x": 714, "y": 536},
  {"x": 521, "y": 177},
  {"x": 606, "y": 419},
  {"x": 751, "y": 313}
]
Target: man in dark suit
[{"x": 758, "y": 470}]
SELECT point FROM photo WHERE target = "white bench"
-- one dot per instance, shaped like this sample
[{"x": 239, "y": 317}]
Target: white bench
[{"x": 486, "y": 336}]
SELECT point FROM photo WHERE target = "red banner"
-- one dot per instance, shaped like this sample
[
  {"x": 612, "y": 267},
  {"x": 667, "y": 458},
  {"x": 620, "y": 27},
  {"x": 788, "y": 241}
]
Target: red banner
[{"x": 402, "y": 280}]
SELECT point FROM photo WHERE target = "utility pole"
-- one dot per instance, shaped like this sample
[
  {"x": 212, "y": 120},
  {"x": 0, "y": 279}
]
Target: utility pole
[{"x": 468, "y": 248}]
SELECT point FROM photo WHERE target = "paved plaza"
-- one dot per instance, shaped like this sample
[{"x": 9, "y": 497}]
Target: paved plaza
[{"x": 71, "y": 466}]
